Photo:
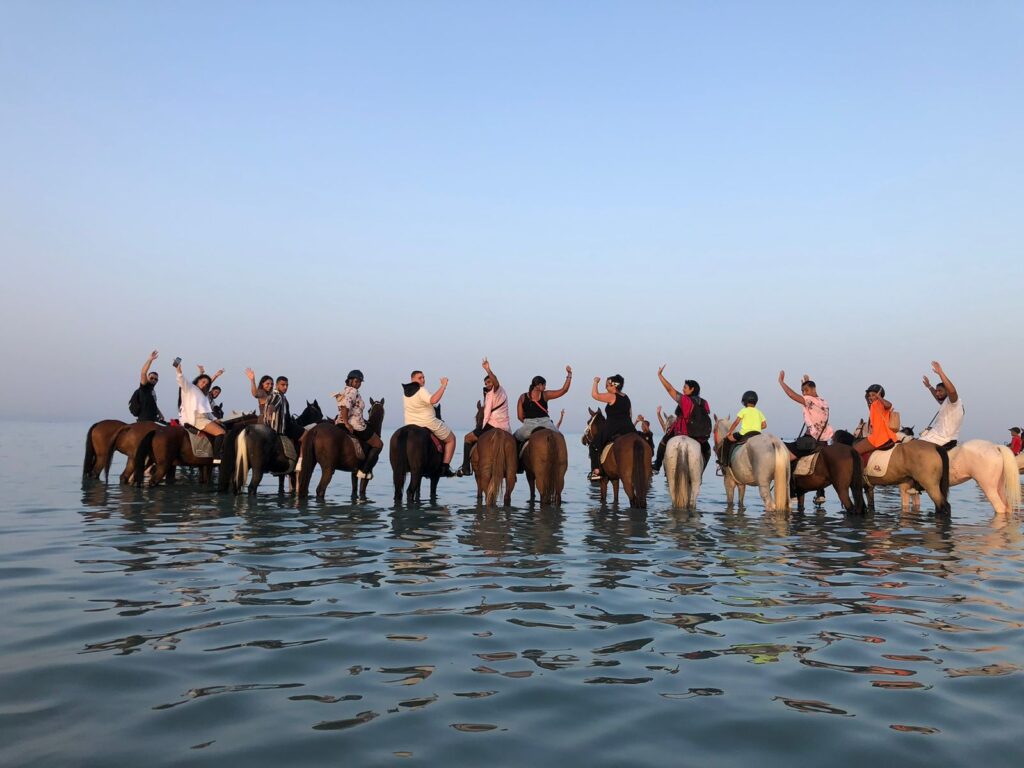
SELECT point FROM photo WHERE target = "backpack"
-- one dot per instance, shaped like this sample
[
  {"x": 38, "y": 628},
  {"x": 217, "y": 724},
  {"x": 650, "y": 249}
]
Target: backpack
[
  {"x": 135, "y": 403},
  {"x": 698, "y": 426}
]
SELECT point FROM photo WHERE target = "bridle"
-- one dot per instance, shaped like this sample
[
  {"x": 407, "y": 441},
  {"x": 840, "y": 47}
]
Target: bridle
[{"x": 588, "y": 432}]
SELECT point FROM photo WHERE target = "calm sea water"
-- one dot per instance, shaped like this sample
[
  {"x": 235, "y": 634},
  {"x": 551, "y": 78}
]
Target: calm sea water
[{"x": 171, "y": 626}]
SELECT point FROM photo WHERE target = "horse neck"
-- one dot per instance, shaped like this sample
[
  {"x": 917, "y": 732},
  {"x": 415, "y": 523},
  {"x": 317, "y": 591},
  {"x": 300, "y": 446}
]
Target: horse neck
[{"x": 479, "y": 418}]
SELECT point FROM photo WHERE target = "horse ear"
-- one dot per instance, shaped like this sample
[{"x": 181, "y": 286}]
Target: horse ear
[
  {"x": 479, "y": 404},
  {"x": 590, "y": 410}
]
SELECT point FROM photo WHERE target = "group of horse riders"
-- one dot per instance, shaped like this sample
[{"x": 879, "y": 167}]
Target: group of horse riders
[{"x": 691, "y": 418}]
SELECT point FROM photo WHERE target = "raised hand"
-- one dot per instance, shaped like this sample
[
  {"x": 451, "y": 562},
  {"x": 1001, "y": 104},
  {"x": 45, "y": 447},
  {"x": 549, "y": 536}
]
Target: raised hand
[
  {"x": 444, "y": 381},
  {"x": 936, "y": 367},
  {"x": 805, "y": 379},
  {"x": 927, "y": 382},
  {"x": 782, "y": 377},
  {"x": 661, "y": 369},
  {"x": 250, "y": 374},
  {"x": 487, "y": 365},
  {"x": 153, "y": 355},
  {"x": 220, "y": 372},
  {"x": 658, "y": 409},
  {"x": 568, "y": 369}
]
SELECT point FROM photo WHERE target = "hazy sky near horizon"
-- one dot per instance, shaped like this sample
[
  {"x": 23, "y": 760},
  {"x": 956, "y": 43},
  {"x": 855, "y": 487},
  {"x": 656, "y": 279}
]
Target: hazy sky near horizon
[{"x": 729, "y": 188}]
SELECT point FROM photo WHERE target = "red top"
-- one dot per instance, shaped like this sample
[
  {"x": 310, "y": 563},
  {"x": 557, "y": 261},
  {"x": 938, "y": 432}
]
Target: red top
[
  {"x": 686, "y": 408},
  {"x": 1015, "y": 444}
]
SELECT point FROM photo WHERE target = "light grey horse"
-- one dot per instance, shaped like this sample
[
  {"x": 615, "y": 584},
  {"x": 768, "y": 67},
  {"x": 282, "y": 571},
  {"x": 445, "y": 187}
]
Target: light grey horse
[
  {"x": 761, "y": 461},
  {"x": 684, "y": 466}
]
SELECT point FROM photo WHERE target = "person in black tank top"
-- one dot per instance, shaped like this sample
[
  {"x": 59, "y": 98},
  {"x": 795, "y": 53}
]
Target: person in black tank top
[
  {"x": 618, "y": 418},
  {"x": 532, "y": 407}
]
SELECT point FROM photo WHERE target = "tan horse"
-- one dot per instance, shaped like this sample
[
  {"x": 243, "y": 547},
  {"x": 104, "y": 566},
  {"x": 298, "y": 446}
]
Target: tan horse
[
  {"x": 763, "y": 460},
  {"x": 546, "y": 459},
  {"x": 628, "y": 461},
  {"x": 494, "y": 462},
  {"x": 993, "y": 467},
  {"x": 914, "y": 461},
  {"x": 99, "y": 442}
]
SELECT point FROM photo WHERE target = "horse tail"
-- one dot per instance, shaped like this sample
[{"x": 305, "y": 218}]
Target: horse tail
[
  {"x": 90, "y": 454},
  {"x": 857, "y": 482},
  {"x": 548, "y": 494},
  {"x": 143, "y": 453},
  {"x": 497, "y": 471},
  {"x": 781, "y": 489},
  {"x": 640, "y": 476},
  {"x": 944, "y": 480},
  {"x": 1011, "y": 479},
  {"x": 307, "y": 460},
  {"x": 241, "y": 462},
  {"x": 680, "y": 475},
  {"x": 400, "y": 460}
]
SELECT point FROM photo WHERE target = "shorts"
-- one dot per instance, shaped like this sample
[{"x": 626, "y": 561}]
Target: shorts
[
  {"x": 438, "y": 427},
  {"x": 202, "y": 420}
]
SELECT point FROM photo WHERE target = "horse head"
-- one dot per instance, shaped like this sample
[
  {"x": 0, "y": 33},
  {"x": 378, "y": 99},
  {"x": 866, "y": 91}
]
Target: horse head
[
  {"x": 721, "y": 427},
  {"x": 479, "y": 415},
  {"x": 375, "y": 417},
  {"x": 311, "y": 414},
  {"x": 593, "y": 424}
]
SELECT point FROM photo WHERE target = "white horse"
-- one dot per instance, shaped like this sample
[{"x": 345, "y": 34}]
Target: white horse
[
  {"x": 993, "y": 467},
  {"x": 684, "y": 466},
  {"x": 762, "y": 461}
]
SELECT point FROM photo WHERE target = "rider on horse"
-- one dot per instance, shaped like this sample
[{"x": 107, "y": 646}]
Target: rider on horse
[
  {"x": 532, "y": 408},
  {"x": 879, "y": 410},
  {"x": 274, "y": 409},
  {"x": 751, "y": 422},
  {"x": 618, "y": 419},
  {"x": 944, "y": 430},
  {"x": 816, "y": 429},
  {"x": 495, "y": 415},
  {"x": 422, "y": 410},
  {"x": 147, "y": 407},
  {"x": 195, "y": 408},
  {"x": 350, "y": 417},
  {"x": 688, "y": 401}
]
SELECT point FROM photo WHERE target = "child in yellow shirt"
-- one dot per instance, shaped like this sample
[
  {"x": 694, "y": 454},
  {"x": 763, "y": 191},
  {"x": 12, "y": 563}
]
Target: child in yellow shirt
[{"x": 751, "y": 422}]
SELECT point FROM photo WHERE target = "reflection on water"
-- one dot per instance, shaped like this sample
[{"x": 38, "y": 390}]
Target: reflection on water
[{"x": 173, "y": 624}]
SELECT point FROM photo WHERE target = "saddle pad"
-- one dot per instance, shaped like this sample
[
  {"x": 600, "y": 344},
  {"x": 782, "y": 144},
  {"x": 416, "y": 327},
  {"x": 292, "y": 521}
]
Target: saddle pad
[
  {"x": 604, "y": 453},
  {"x": 202, "y": 447},
  {"x": 878, "y": 463},
  {"x": 358, "y": 448},
  {"x": 289, "y": 451},
  {"x": 805, "y": 466}
]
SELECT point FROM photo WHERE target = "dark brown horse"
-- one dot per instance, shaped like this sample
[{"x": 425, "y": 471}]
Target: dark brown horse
[
  {"x": 495, "y": 461},
  {"x": 628, "y": 461},
  {"x": 414, "y": 453},
  {"x": 839, "y": 466},
  {"x": 546, "y": 460},
  {"x": 127, "y": 441},
  {"x": 331, "y": 446},
  {"x": 170, "y": 447},
  {"x": 261, "y": 449},
  {"x": 99, "y": 441}
]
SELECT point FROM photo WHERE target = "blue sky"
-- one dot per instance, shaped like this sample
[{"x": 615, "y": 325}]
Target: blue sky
[{"x": 729, "y": 188}]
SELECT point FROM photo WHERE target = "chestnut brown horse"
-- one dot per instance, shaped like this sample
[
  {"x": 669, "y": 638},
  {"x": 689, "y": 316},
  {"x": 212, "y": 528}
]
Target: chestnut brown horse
[
  {"x": 839, "y": 466},
  {"x": 628, "y": 461},
  {"x": 546, "y": 460},
  {"x": 331, "y": 446},
  {"x": 109, "y": 437},
  {"x": 99, "y": 441},
  {"x": 170, "y": 447},
  {"x": 494, "y": 462}
]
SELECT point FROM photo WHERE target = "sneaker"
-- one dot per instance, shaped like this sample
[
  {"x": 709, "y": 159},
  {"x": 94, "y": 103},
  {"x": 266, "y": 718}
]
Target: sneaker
[
  {"x": 216, "y": 462},
  {"x": 463, "y": 472},
  {"x": 819, "y": 499},
  {"x": 364, "y": 475},
  {"x": 655, "y": 468},
  {"x": 446, "y": 471},
  {"x": 595, "y": 475}
]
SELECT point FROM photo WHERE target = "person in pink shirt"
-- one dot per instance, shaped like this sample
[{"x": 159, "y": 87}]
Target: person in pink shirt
[
  {"x": 495, "y": 415},
  {"x": 816, "y": 411}
]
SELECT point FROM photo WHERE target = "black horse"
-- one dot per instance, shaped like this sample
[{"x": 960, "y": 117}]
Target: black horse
[
  {"x": 413, "y": 452},
  {"x": 258, "y": 447}
]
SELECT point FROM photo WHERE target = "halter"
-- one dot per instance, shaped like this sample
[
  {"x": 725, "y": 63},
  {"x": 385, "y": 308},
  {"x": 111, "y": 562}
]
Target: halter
[{"x": 587, "y": 436}]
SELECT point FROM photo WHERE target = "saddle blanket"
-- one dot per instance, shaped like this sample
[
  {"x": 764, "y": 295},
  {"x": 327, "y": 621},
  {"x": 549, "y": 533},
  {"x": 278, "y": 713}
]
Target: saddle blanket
[
  {"x": 605, "y": 452},
  {"x": 878, "y": 463},
  {"x": 805, "y": 466},
  {"x": 202, "y": 446},
  {"x": 289, "y": 451}
]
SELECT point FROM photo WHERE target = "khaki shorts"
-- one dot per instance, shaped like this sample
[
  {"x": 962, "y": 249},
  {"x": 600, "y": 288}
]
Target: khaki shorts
[
  {"x": 202, "y": 419},
  {"x": 439, "y": 428}
]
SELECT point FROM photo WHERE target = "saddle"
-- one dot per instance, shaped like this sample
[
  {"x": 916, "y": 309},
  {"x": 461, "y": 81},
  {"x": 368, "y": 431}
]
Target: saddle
[
  {"x": 605, "y": 451},
  {"x": 805, "y": 465},
  {"x": 202, "y": 446},
  {"x": 876, "y": 463}
]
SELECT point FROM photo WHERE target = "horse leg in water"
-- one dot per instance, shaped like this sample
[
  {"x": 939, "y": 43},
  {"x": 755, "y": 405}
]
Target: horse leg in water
[
  {"x": 730, "y": 487},
  {"x": 355, "y": 486},
  {"x": 433, "y": 488},
  {"x": 326, "y": 473}
]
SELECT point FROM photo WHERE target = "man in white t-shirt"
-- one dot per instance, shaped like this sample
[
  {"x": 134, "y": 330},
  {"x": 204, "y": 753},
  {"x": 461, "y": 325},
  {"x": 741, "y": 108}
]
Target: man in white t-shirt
[
  {"x": 944, "y": 430},
  {"x": 421, "y": 410}
]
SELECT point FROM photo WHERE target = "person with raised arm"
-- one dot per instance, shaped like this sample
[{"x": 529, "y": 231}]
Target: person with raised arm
[
  {"x": 618, "y": 419},
  {"x": 693, "y": 418},
  {"x": 145, "y": 395},
  {"x": 532, "y": 407},
  {"x": 495, "y": 416},
  {"x": 195, "y": 408},
  {"x": 422, "y": 409},
  {"x": 944, "y": 431}
]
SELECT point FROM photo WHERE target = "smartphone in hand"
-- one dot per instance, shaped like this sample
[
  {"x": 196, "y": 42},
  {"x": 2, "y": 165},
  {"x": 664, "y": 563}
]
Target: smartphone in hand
[{"x": 176, "y": 362}]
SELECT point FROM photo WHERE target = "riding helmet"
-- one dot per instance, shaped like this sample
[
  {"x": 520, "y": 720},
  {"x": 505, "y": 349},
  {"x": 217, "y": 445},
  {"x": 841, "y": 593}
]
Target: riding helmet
[
  {"x": 749, "y": 397},
  {"x": 354, "y": 374}
]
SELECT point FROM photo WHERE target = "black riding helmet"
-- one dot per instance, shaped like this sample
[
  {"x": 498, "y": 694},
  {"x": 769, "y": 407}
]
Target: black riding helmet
[
  {"x": 749, "y": 397},
  {"x": 354, "y": 374}
]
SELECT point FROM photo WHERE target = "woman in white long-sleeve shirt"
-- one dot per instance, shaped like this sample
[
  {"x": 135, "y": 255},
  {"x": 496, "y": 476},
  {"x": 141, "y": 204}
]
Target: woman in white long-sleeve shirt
[{"x": 195, "y": 404}]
